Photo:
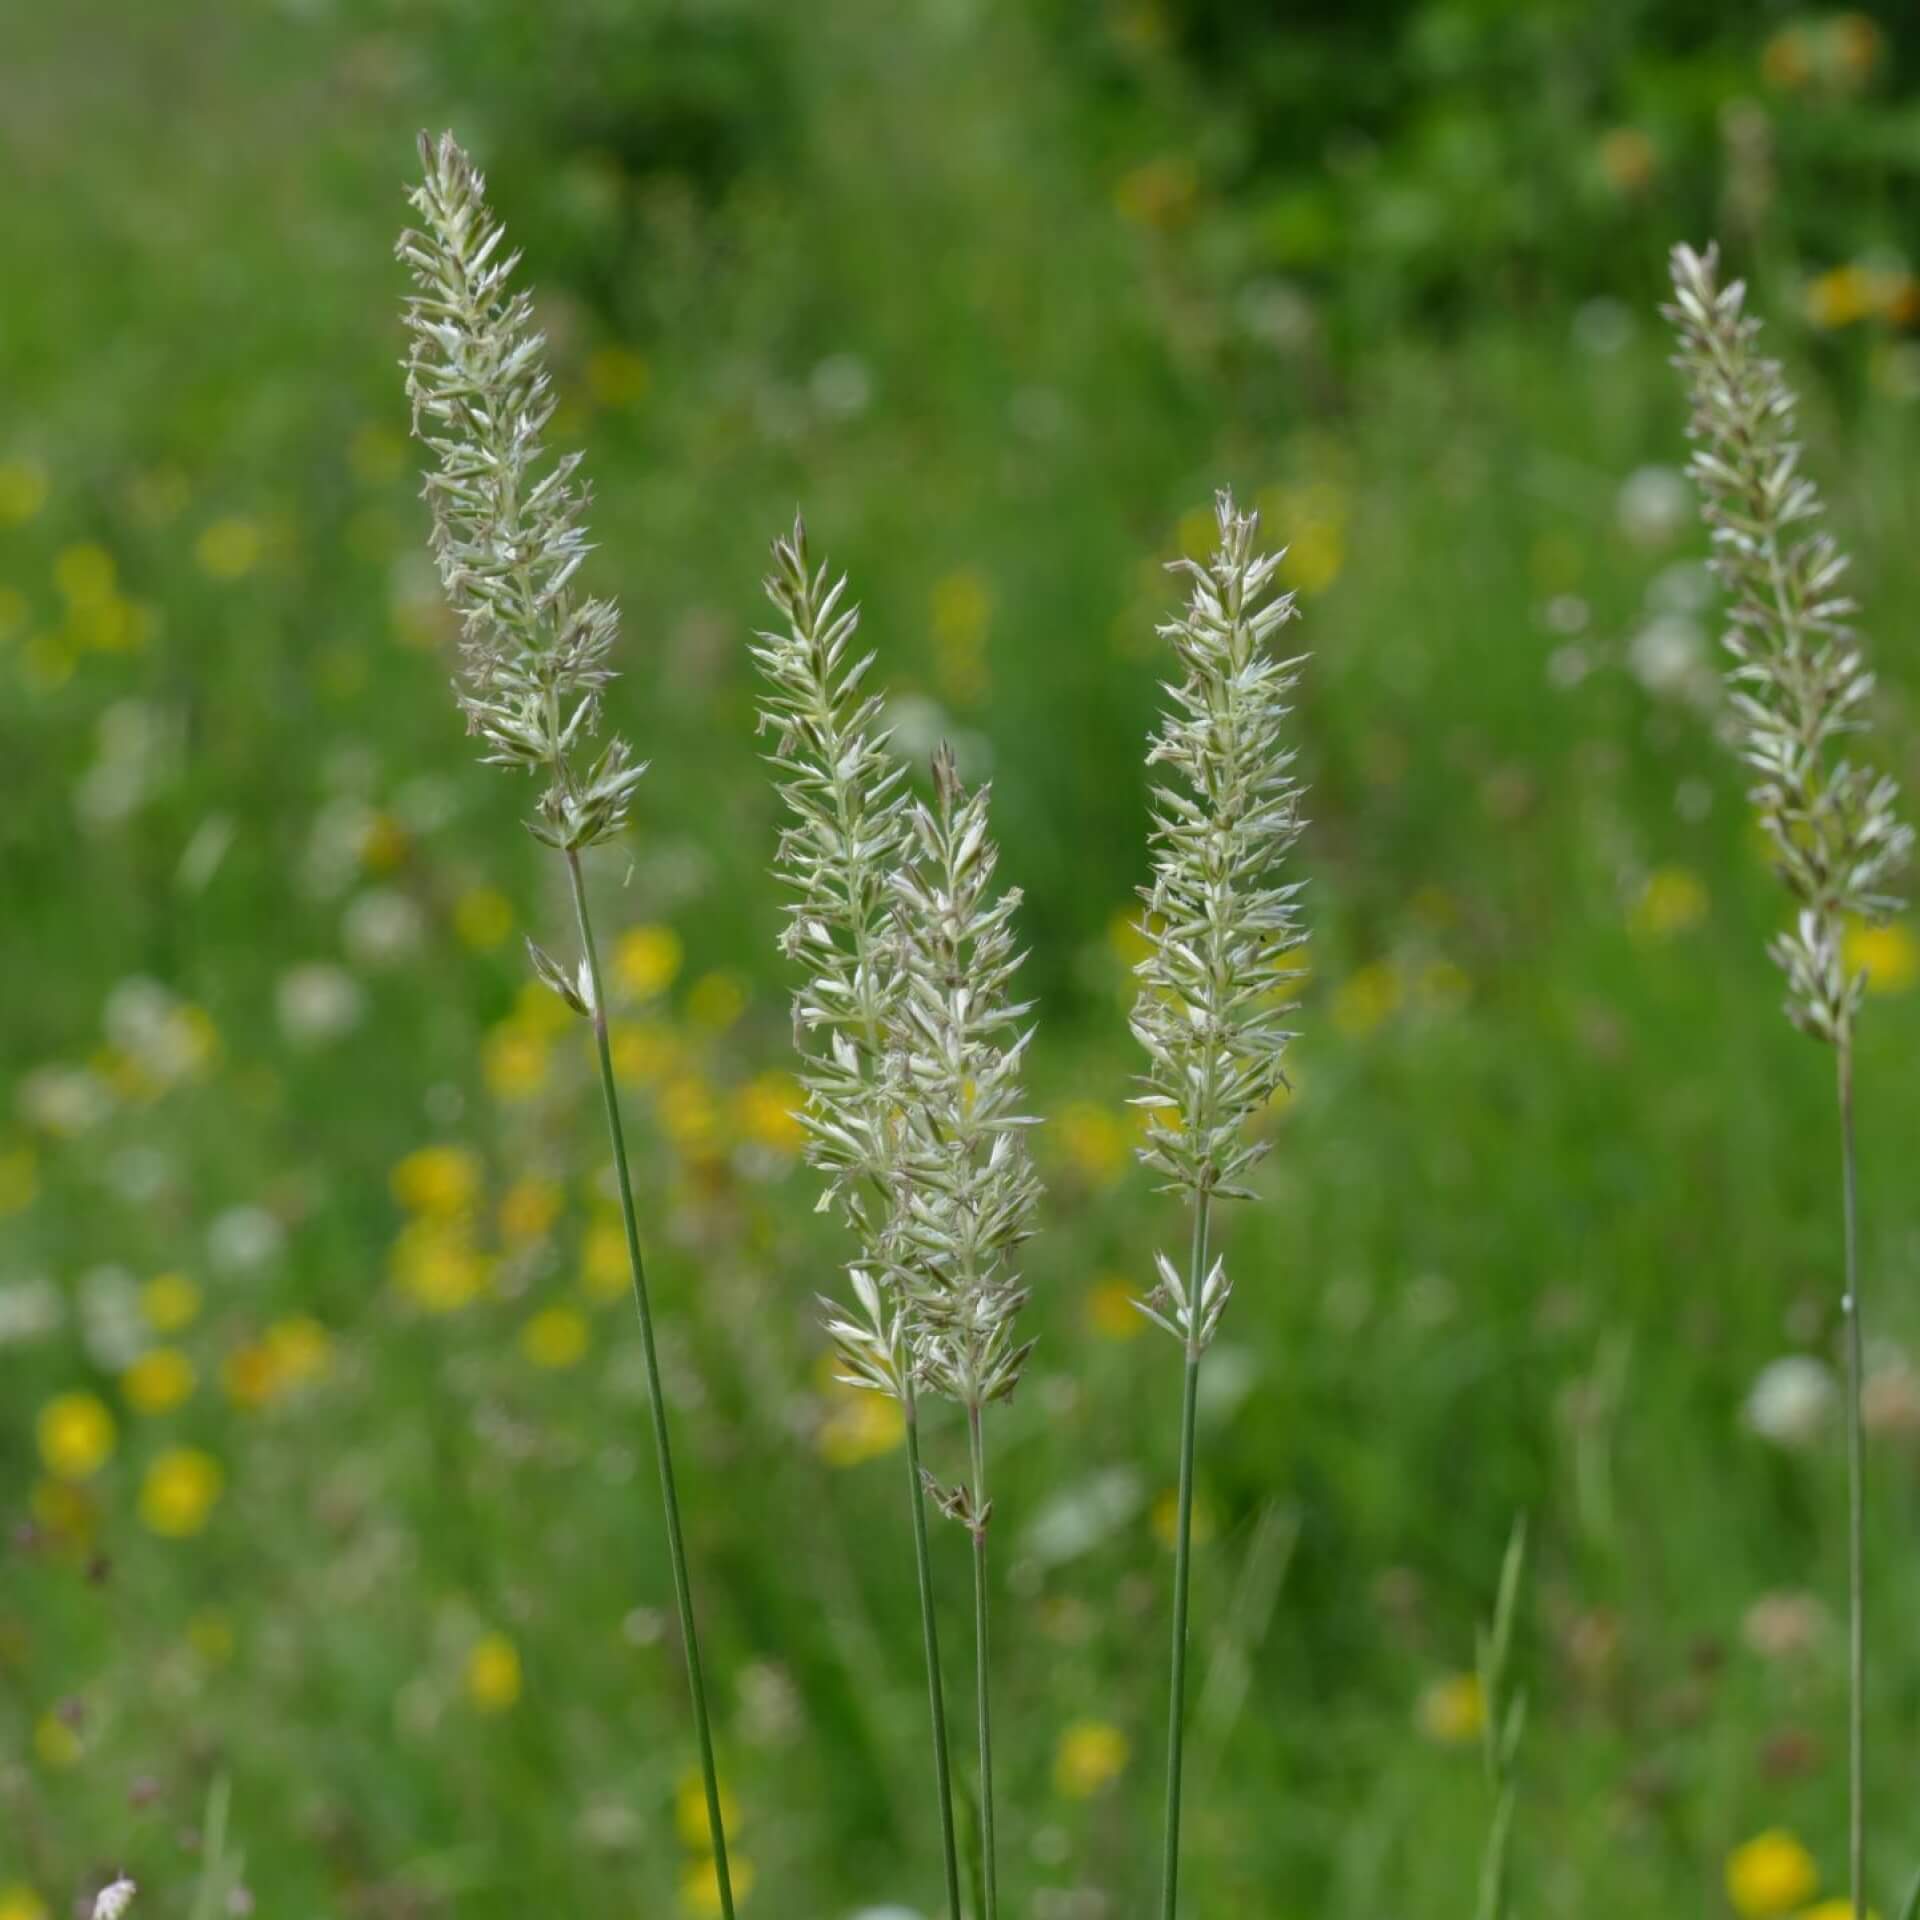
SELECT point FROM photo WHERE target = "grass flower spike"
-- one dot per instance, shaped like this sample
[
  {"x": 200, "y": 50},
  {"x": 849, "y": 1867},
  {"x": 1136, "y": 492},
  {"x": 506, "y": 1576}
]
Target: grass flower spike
[
  {"x": 848, "y": 835},
  {"x": 967, "y": 1180},
  {"x": 1212, "y": 1006},
  {"x": 1800, "y": 685},
  {"x": 508, "y": 538}
]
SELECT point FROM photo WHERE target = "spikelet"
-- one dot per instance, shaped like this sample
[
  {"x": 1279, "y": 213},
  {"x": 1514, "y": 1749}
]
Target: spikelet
[
  {"x": 1213, "y": 1001},
  {"x": 1800, "y": 682},
  {"x": 508, "y": 533}
]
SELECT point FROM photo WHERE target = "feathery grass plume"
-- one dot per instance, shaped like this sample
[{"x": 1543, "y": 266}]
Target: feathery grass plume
[
  {"x": 966, "y": 1179},
  {"x": 508, "y": 538},
  {"x": 1503, "y": 1716},
  {"x": 1800, "y": 685},
  {"x": 849, "y": 833},
  {"x": 1212, "y": 1007},
  {"x": 112, "y": 1903}
]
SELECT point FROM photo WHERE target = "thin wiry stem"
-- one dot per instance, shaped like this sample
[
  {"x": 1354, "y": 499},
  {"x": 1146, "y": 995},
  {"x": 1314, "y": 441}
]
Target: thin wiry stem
[
  {"x": 1856, "y": 1500},
  {"x": 656, "y": 1400},
  {"x": 982, "y": 1693},
  {"x": 1182, "y": 1562},
  {"x": 930, "y": 1640}
]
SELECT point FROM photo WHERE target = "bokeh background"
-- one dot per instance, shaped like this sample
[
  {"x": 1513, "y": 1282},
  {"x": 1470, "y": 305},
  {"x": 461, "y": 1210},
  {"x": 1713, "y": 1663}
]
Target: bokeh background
[{"x": 322, "y": 1436}]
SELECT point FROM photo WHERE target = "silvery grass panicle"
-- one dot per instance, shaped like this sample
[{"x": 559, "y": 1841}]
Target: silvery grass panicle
[
  {"x": 848, "y": 834},
  {"x": 1799, "y": 676},
  {"x": 967, "y": 1179},
  {"x": 508, "y": 538},
  {"x": 1800, "y": 685},
  {"x": 1212, "y": 1007}
]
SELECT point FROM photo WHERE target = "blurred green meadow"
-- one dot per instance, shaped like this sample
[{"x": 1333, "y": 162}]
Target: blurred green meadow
[{"x": 323, "y": 1455}]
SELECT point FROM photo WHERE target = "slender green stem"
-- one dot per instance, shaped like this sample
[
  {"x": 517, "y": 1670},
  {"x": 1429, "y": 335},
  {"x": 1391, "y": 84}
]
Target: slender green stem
[
  {"x": 930, "y": 1635},
  {"x": 980, "y": 1661},
  {"x": 1182, "y": 1561},
  {"x": 676, "y": 1547},
  {"x": 1856, "y": 1503}
]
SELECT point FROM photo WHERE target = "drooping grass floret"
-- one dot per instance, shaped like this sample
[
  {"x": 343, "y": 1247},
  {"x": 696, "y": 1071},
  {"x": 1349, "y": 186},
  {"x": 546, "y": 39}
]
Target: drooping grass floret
[
  {"x": 847, "y": 837},
  {"x": 1800, "y": 685},
  {"x": 508, "y": 538},
  {"x": 1212, "y": 1007},
  {"x": 1799, "y": 677}
]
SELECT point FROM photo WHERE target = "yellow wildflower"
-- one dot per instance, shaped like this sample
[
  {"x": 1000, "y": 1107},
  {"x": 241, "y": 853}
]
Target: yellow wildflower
[
  {"x": 1889, "y": 956},
  {"x": 23, "y": 491},
  {"x": 483, "y": 917},
  {"x": 860, "y": 1424},
  {"x": 1451, "y": 1710},
  {"x": 383, "y": 844},
  {"x": 1628, "y": 159},
  {"x": 180, "y": 1490},
  {"x": 76, "y": 1435},
  {"x": 1095, "y": 1140},
  {"x": 493, "y": 1673},
  {"x": 1110, "y": 1311},
  {"x": 515, "y": 1059},
  {"x": 170, "y": 1301},
  {"x": 690, "y": 1812},
  {"x": 700, "y": 1883},
  {"x": 688, "y": 1114},
  {"x": 63, "y": 1511},
  {"x": 19, "y": 1902},
  {"x": 766, "y": 1111},
  {"x": 440, "y": 1182},
  {"x": 644, "y": 1051},
  {"x": 1124, "y": 936},
  {"x": 716, "y": 1001},
  {"x": 56, "y": 1743},
  {"x": 647, "y": 961},
  {"x": 604, "y": 1269},
  {"x": 1165, "y": 1519},
  {"x": 528, "y": 1209},
  {"x": 1673, "y": 901},
  {"x": 1836, "y": 1910},
  {"x": 300, "y": 1350},
  {"x": 229, "y": 548},
  {"x": 1770, "y": 1874},
  {"x": 85, "y": 574},
  {"x": 158, "y": 1381},
  {"x": 555, "y": 1338},
  {"x": 435, "y": 1263},
  {"x": 1366, "y": 998},
  {"x": 19, "y": 1180},
  {"x": 1090, "y": 1756}
]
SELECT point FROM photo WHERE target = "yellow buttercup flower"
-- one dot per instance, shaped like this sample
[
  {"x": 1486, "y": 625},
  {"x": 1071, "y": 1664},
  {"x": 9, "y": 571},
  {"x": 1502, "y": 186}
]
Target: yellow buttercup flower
[
  {"x": 493, "y": 1673},
  {"x": 440, "y": 1182},
  {"x": 1451, "y": 1710},
  {"x": 1165, "y": 1519},
  {"x": 1095, "y": 1140},
  {"x": 700, "y": 1884},
  {"x": 56, "y": 1744},
  {"x": 1673, "y": 901},
  {"x": 860, "y": 1424},
  {"x": 170, "y": 1301},
  {"x": 1366, "y": 998},
  {"x": 766, "y": 1109},
  {"x": 23, "y": 491},
  {"x": 76, "y": 1435},
  {"x": 1889, "y": 956},
  {"x": 528, "y": 1209},
  {"x": 229, "y": 548},
  {"x": 483, "y": 917},
  {"x": 158, "y": 1381},
  {"x": 690, "y": 1812},
  {"x": 605, "y": 1272},
  {"x": 644, "y": 1051},
  {"x": 19, "y": 1902},
  {"x": 1772, "y": 1873},
  {"x": 1090, "y": 1756},
  {"x": 716, "y": 1001},
  {"x": 435, "y": 1263},
  {"x": 1836, "y": 1910},
  {"x": 85, "y": 574},
  {"x": 1110, "y": 1311},
  {"x": 19, "y": 1180},
  {"x": 647, "y": 961},
  {"x": 515, "y": 1057},
  {"x": 181, "y": 1489},
  {"x": 556, "y": 1338}
]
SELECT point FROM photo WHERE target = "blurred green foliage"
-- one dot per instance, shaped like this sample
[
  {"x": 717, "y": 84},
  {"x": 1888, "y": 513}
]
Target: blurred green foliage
[{"x": 1000, "y": 292}]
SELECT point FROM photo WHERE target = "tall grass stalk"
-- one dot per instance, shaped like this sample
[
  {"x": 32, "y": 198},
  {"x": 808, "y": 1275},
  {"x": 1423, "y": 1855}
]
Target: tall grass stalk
[
  {"x": 967, "y": 1184},
  {"x": 1800, "y": 686},
  {"x": 1503, "y": 1714},
  {"x": 508, "y": 537},
  {"x": 847, "y": 836},
  {"x": 1215, "y": 981}
]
